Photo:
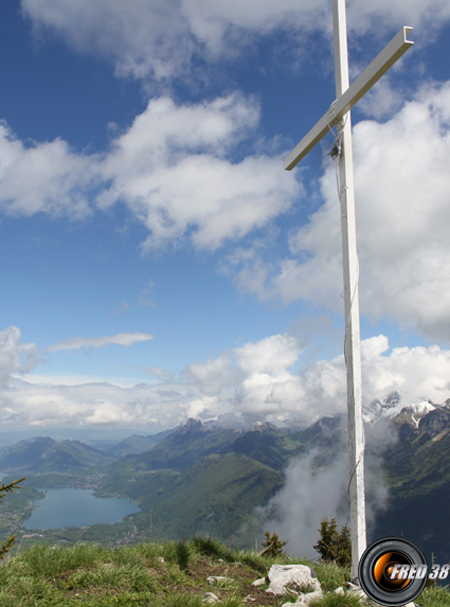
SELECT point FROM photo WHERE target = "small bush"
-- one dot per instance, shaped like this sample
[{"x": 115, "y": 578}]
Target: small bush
[
  {"x": 208, "y": 546},
  {"x": 273, "y": 546},
  {"x": 183, "y": 552},
  {"x": 332, "y": 545},
  {"x": 10, "y": 541}
]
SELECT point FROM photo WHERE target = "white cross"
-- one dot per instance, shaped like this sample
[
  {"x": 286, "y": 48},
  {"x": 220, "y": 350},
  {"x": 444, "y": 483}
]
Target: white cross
[{"x": 339, "y": 114}]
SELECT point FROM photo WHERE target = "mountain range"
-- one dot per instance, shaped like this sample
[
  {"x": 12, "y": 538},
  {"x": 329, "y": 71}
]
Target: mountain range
[
  {"x": 200, "y": 478},
  {"x": 43, "y": 454}
]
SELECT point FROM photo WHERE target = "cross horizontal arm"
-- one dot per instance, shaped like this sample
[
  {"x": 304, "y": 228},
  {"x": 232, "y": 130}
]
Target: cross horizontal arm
[{"x": 386, "y": 59}]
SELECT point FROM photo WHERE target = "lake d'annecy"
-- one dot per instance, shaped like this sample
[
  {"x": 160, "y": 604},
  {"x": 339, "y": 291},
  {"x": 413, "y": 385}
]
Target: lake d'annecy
[{"x": 63, "y": 507}]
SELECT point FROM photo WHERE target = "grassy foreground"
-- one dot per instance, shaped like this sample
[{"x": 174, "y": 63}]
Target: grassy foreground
[{"x": 173, "y": 574}]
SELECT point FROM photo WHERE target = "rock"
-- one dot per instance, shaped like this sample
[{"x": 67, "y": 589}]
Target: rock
[
  {"x": 351, "y": 586},
  {"x": 210, "y": 598},
  {"x": 300, "y": 576},
  {"x": 260, "y": 582}
]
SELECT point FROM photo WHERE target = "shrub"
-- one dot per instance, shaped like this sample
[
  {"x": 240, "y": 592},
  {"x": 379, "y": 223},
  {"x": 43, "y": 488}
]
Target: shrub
[
  {"x": 183, "y": 554},
  {"x": 4, "y": 489},
  {"x": 332, "y": 545},
  {"x": 273, "y": 546},
  {"x": 208, "y": 546}
]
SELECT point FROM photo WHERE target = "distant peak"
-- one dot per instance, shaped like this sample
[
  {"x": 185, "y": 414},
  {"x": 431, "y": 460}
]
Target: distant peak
[
  {"x": 262, "y": 427},
  {"x": 192, "y": 425},
  {"x": 392, "y": 408},
  {"x": 38, "y": 439}
]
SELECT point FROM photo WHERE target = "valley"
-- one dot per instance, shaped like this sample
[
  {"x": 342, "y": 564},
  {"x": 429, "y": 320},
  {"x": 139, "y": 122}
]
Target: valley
[{"x": 200, "y": 479}]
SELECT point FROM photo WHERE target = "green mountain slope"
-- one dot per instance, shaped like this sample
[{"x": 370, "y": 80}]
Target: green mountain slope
[
  {"x": 217, "y": 492},
  {"x": 268, "y": 445},
  {"x": 25, "y": 452},
  {"x": 69, "y": 455},
  {"x": 136, "y": 444},
  {"x": 182, "y": 448},
  {"x": 42, "y": 455},
  {"x": 417, "y": 470}
]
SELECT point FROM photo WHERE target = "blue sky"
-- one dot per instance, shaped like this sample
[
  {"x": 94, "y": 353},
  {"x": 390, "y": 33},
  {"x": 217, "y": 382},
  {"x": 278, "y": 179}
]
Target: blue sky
[{"x": 159, "y": 263}]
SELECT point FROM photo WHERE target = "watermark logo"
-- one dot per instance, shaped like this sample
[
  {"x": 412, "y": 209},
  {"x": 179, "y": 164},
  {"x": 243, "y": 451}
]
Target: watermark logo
[{"x": 393, "y": 572}]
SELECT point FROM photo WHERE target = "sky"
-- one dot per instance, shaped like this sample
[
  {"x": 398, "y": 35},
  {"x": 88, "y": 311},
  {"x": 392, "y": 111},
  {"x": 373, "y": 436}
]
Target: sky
[{"x": 158, "y": 262}]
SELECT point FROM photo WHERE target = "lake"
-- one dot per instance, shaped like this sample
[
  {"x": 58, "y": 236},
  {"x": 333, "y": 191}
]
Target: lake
[{"x": 63, "y": 507}]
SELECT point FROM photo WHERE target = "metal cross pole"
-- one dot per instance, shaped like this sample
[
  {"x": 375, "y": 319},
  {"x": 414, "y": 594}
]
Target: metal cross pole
[{"x": 339, "y": 114}]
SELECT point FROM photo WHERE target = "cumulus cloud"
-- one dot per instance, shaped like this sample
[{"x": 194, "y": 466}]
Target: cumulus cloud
[
  {"x": 43, "y": 177},
  {"x": 424, "y": 14},
  {"x": 138, "y": 36},
  {"x": 121, "y": 339},
  {"x": 172, "y": 168},
  {"x": 161, "y": 39},
  {"x": 402, "y": 191},
  {"x": 15, "y": 357},
  {"x": 251, "y": 382},
  {"x": 254, "y": 382},
  {"x": 84, "y": 405}
]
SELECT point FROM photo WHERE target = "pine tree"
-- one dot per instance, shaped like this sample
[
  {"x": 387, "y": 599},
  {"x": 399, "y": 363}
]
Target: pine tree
[
  {"x": 332, "y": 545},
  {"x": 344, "y": 547},
  {"x": 273, "y": 546},
  {"x": 327, "y": 544},
  {"x": 4, "y": 489}
]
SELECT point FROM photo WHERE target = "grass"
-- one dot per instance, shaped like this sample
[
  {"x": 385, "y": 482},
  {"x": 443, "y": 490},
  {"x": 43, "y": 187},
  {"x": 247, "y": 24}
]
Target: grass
[
  {"x": 173, "y": 574},
  {"x": 434, "y": 596}
]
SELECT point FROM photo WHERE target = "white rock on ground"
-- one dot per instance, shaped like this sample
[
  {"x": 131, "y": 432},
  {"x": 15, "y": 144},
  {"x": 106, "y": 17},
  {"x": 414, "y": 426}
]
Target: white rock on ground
[
  {"x": 210, "y": 598},
  {"x": 260, "y": 582},
  {"x": 217, "y": 579},
  {"x": 298, "y": 575}
]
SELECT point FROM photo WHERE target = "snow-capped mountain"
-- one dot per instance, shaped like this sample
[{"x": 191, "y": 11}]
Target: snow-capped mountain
[{"x": 392, "y": 408}]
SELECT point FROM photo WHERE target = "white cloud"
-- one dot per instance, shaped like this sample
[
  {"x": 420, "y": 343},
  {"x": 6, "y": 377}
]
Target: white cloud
[
  {"x": 43, "y": 177},
  {"x": 172, "y": 168},
  {"x": 423, "y": 14},
  {"x": 383, "y": 100},
  {"x": 121, "y": 339},
  {"x": 160, "y": 38},
  {"x": 402, "y": 192},
  {"x": 15, "y": 357},
  {"x": 307, "y": 497},
  {"x": 89, "y": 404},
  {"x": 140, "y": 37},
  {"x": 252, "y": 383}
]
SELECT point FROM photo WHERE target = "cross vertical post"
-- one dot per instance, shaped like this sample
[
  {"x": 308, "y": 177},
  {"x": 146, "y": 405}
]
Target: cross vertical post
[
  {"x": 339, "y": 114},
  {"x": 351, "y": 298}
]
